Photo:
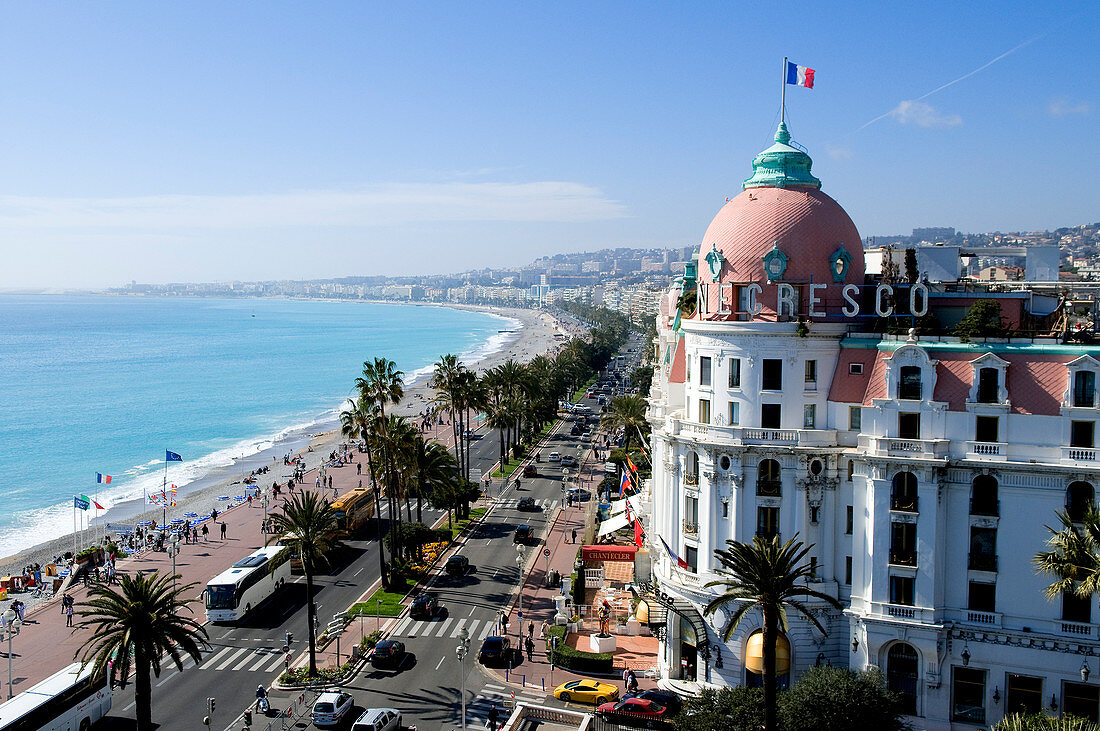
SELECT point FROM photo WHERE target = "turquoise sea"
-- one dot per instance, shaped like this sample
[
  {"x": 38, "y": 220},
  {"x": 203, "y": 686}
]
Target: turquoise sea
[{"x": 105, "y": 384}]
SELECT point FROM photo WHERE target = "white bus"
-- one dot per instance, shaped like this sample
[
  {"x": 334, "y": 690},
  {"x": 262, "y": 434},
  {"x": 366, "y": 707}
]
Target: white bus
[
  {"x": 246, "y": 584},
  {"x": 69, "y": 700}
]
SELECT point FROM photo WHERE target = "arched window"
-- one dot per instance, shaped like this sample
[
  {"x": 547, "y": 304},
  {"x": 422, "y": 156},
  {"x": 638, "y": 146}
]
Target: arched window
[
  {"x": 901, "y": 675},
  {"x": 1079, "y": 499},
  {"x": 903, "y": 493},
  {"x": 983, "y": 496},
  {"x": 754, "y": 660},
  {"x": 768, "y": 478},
  {"x": 909, "y": 383}
]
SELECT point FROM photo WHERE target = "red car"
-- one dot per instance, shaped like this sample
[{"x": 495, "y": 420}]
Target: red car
[{"x": 635, "y": 708}]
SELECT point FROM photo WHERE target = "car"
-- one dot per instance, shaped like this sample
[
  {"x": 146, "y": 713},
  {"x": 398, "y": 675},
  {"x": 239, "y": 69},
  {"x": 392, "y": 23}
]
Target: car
[
  {"x": 527, "y": 504},
  {"x": 523, "y": 534},
  {"x": 554, "y": 457},
  {"x": 587, "y": 691},
  {"x": 635, "y": 709},
  {"x": 668, "y": 699},
  {"x": 457, "y": 565},
  {"x": 468, "y": 434},
  {"x": 494, "y": 650},
  {"x": 602, "y": 400},
  {"x": 378, "y": 719},
  {"x": 575, "y": 431},
  {"x": 331, "y": 707},
  {"x": 387, "y": 654},
  {"x": 568, "y": 460},
  {"x": 424, "y": 606},
  {"x": 529, "y": 470},
  {"x": 577, "y": 494}
]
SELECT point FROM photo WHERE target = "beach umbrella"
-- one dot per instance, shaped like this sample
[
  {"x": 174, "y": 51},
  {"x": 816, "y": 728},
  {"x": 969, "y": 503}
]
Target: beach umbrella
[
  {"x": 223, "y": 497},
  {"x": 190, "y": 515},
  {"x": 239, "y": 497}
]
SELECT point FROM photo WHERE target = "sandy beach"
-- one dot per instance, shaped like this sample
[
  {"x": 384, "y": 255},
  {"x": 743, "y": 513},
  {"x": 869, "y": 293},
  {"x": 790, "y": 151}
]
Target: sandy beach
[{"x": 536, "y": 336}]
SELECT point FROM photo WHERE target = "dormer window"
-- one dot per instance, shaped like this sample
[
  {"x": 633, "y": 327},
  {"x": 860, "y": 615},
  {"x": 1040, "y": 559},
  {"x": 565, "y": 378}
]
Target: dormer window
[
  {"x": 909, "y": 383},
  {"x": 910, "y": 374},
  {"x": 987, "y": 384}
]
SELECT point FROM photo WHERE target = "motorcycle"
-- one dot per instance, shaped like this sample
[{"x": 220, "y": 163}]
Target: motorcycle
[{"x": 262, "y": 705}]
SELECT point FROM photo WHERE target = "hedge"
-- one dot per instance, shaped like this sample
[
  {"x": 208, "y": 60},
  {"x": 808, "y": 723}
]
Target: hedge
[{"x": 576, "y": 660}]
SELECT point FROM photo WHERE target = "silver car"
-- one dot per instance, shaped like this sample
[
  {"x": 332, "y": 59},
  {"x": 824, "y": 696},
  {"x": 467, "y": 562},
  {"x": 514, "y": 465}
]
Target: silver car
[{"x": 378, "y": 719}]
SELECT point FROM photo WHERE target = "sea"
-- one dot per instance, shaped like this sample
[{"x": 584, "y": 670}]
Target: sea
[{"x": 105, "y": 384}]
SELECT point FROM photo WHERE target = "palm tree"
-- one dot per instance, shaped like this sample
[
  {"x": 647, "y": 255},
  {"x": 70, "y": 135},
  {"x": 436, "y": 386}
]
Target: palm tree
[
  {"x": 445, "y": 380},
  {"x": 308, "y": 527},
  {"x": 435, "y": 465},
  {"x": 766, "y": 574},
  {"x": 629, "y": 413},
  {"x": 1074, "y": 556},
  {"x": 134, "y": 626}
]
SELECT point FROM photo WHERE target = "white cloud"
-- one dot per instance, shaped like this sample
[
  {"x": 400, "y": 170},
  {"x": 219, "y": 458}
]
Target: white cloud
[
  {"x": 377, "y": 205},
  {"x": 838, "y": 152},
  {"x": 1065, "y": 107},
  {"x": 923, "y": 115}
]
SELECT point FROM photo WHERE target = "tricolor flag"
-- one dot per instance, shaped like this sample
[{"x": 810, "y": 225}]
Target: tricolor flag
[
  {"x": 624, "y": 483},
  {"x": 679, "y": 561},
  {"x": 632, "y": 467},
  {"x": 102, "y": 479},
  {"x": 170, "y": 456},
  {"x": 800, "y": 75}
]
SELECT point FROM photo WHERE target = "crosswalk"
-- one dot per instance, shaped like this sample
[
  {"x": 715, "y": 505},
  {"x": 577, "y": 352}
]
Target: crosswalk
[
  {"x": 545, "y": 505},
  {"x": 411, "y": 629},
  {"x": 477, "y": 712},
  {"x": 251, "y": 659}
]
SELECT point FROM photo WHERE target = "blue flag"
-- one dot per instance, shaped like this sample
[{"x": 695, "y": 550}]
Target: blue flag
[{"x": 172, "y": 456}]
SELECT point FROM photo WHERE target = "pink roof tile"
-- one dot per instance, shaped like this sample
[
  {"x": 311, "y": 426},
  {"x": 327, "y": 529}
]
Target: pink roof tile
[
  {"x": 876, "y": 383},
  {"x": 848, "y": 387},
  {"x": 1036, "y": 383},
  {"x": 679, "y": 363}
]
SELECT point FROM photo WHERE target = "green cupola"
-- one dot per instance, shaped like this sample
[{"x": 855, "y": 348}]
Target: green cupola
[{"x": 781, "y": 166}]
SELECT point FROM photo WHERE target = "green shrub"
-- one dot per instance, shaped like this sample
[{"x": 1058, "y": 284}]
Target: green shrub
[
  {"x": 299, "y": 676},
  {"x": 577, "y": 660},
  {"x": 372, "y": 639},
  {"x": 730, "y": 709}
]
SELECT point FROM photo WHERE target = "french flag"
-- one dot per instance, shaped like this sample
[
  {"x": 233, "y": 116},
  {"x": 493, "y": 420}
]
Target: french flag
[
  {"x": 680, "y": 563},
  {"x": 800, "y": 75},
  {"x": 102, "y": 479}
]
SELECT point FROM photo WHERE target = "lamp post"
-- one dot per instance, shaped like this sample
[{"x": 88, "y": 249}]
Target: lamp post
[
  {"x": 11, "y": 626},
  {"x": 460, "y": 652},
  {"x": 173, "y": 551}
]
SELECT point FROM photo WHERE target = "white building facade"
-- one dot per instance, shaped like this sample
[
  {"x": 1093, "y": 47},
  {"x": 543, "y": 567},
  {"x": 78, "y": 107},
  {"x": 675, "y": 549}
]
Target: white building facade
[{"x": 923, "y": 470}]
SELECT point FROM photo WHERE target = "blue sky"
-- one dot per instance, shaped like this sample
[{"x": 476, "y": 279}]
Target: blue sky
[{"x": 210, "y": 141}]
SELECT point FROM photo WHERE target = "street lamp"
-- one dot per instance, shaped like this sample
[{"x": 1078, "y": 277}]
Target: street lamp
[
  {"x": 173, "y": 551},
  {"x": 460, "y": 652},
  {"x": 11, "y": 626}
]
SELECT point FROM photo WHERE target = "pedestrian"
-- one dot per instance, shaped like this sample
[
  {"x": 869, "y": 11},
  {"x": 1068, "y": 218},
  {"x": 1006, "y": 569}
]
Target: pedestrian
[
  {"x": 205, "y": 533},
  {"x": 574, "y": 536},
  {"x": 626, "y": 678},
  {"x": 335, "y": 493},
  {"x": 358, "y": 468},
  {"x": 250, "y": 500},
  {"x": 632, "y": 682},
  {"x": 69, "y": 616},
  {"x": 214, "y": 514},
  {"x": 318, "y": 482},
  {"x": 531, "y": 628},
  {"x": 530, "y": 647},
  {"x": 223, "y": 530},
  {"x": 494, "y": 714},
  {"x": 543, "y": 630},
  {"x": 65, "y": 598},
  {"x": 194, "y": 535}
]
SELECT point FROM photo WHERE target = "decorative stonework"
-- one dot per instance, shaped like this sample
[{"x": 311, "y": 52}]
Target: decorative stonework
[{"x": 775, "y": 263}]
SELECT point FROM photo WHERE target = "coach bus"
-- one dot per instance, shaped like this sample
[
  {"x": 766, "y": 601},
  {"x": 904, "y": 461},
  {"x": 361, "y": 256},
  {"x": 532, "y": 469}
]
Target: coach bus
[
  {"x": 69, "y": 700},
  {"x": 246, "y": 584},
  {"x": 354, "y": 509}
]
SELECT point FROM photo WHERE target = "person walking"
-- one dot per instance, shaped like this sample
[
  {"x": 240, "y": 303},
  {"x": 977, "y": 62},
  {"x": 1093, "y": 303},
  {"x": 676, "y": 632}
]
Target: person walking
[
  {"x": 574, "y": 536},
  {"x": 205, "y": 533},
  {"x": 626, "y": 679},
  {"x": 69, "y": 614},
  {"x": 223, "y": 530},
  {"x": 494, "y": 716},
  {"x": 529, "y": 645}
]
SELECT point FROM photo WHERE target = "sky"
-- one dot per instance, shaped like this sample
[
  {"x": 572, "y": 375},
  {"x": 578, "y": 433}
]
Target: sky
[{"x": 212, "y": 141}]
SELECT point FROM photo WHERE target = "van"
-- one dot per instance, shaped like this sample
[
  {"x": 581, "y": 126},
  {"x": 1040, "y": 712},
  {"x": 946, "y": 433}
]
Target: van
[{"x": 378, "y": 719}]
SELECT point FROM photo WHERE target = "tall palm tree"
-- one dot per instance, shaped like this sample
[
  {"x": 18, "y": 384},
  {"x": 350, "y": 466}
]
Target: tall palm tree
[
  {"x": 768, "y": 575},
  {"x": 1074, "y": 556},
  {"x": 136, "y": 625},
  {"x": 629, "y": 413},
  {"x": 309, "y": 528},
  {"x": 435, "y": 465},
  {"x": 380, "y": 385},
  {"x": 445, "y": 380}
]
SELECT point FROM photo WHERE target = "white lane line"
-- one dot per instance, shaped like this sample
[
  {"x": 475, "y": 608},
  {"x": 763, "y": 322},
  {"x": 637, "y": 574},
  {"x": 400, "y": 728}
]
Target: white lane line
[
  {"x": 488, "y": 541},
  {"x": 442, "y": 627},
  {"x": 247, "y": 659},
  {"x": 230, "y": 660},
  {"x": 472, "y": 626},
  {"x": 165, "y": 679},
  {"x": 211, "y": 659},
  {"x": 485, "y": 632},
  {"x": 440, "y": 662},
  {"x": 417, "y": 628},
  {"x": 491, "y": 685},
  {"x": 359, "y": 571},
  {"x": 400, "y": 629},
  {"x": 279, "y": 662},
  {"x": 132, "y": 704},
  {"x": 472, "y": 610},
  {"x": 259, "y": 663},
  {"x": 458, "y": 628}
]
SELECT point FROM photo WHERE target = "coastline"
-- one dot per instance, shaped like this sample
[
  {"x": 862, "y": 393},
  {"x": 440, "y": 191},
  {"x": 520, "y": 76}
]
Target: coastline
[{"x": 534, "y": 335}]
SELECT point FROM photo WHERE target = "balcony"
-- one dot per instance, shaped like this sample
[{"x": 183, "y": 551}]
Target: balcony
[
  {"x": 903, "y": 558},
  {"x": 988, "y": 451},
  {"x": 1080, "y": 629},
  {"x": 901, "y": 611},
  {"x": 991, "y": 508},
  {"x": 904, "y": 503},
  {"x": 690, "y": 529},
  {"x": 917, "y": 448},
  {"x": 1078, "y": 454},
  {"x": 769, "y": 488},
  {"x": 989, "y": 619},
  {"x": 982, "y": 562},
  {"x": 739, "y": 436}
]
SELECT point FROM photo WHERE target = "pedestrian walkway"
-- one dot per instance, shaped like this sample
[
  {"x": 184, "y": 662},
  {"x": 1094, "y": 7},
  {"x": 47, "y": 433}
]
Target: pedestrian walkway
[
  {"x": 477, "y": 712},
  {"x": 545, "y": 505},
  {"x": 411, "y": 629}
]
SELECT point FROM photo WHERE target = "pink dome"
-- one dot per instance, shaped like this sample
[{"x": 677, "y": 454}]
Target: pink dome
[{"x": 804, "y": 224}]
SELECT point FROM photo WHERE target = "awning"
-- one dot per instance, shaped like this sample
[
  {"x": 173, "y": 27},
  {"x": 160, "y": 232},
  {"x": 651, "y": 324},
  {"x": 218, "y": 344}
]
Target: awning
[
  {"x": 661, "y": 602},
  {"x": 612, "y": 524},
  {"x": 608, "y": 553},
  {"x": 618, "y": 506},
  {"x": 754, "y": 653}
]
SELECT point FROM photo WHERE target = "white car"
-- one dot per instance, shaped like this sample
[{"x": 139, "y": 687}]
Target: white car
[
  {"x": 331, "y": 707},
  {"x": 554, "y": 457},
  {"x": 378, "y": 719}
]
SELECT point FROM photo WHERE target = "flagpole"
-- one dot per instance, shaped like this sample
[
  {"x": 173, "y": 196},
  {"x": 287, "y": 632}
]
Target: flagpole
[
  {"x": 783, "y": 95},
  {"x": 164, "y": 484}
]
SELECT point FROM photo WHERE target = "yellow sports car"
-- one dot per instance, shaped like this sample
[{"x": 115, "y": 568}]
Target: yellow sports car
[{"x": 586, "y": 691}]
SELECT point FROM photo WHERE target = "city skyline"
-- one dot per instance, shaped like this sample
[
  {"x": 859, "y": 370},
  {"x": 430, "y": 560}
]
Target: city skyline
[{"x": 211, "y": 143}]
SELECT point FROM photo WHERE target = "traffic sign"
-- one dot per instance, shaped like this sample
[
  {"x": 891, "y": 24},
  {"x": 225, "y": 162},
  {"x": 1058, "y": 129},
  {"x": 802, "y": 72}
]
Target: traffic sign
[
  {"x": 520, "y": 614},
  {"x": 546, "y": 552}
]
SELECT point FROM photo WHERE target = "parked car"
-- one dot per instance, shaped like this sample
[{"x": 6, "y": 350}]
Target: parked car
[
  {"x": 387, "y": 654},
  {"x": 669, "y": 700},
  {"x": 424, "y": 606},
  {"x": 634, "y": 709},
  {"x": 554, "y": 457},
  {"x": 331, "y": 707},
  {"x": 378, "y": 719},
  {"x": 587, "y": 691},
  {"x": 527, "y": 504},
  {"x": 568, "y": 460},
  {"x": 523, "y": 534},
  {"x": 494, "y": 650},
  {"x": 529, "y": 470},
  {"x": 577, "y": 494},
  {"x": 457, "y": 565}
]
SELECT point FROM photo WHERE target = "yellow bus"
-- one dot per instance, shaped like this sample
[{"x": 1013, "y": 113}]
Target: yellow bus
[{"x": 355, "y": 508}]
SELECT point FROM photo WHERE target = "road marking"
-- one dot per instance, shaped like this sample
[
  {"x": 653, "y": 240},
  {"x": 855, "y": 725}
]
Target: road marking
[
  {"x": 359, "y": 571},
  {"x": 132, "y": 704},
  {"x": 229, "y": 661},
  {"x": 495, "y": 573},
  {"x": 443, "y": 627},
  {"x": 472, "y": 610},
  {"x": 401, "y": 627},
  {"x": 417, "y": 628},
  {"x": 485, "y": 632},
  {"x": 211, "y": 659},
  {"x": 471, "y": 628},
  {"x": 458, "y": 627},
  {"x": 165, "y": 679},
  {"x": 488, "y": 541},
  {"x": 279, "y": 662},
  {"x": 441, "y": 661},
  {"x": 262, "y": 661},
  {"x": 247, "y": 659}
]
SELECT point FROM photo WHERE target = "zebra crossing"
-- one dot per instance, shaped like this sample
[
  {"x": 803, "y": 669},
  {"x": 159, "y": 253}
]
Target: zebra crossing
[
  {"x": 477, "y": 712},
  {"x": 545, "y": 504},
  {"x": 250, "y": 659},
  {"x": 411, "y": 629}
]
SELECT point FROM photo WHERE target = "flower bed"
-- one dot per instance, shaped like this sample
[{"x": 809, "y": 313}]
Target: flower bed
[{"x": 578, "y": 660}]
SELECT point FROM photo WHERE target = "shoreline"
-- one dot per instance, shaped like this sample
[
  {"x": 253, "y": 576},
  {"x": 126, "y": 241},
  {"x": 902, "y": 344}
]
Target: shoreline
[{"x": 535, "y": 335}]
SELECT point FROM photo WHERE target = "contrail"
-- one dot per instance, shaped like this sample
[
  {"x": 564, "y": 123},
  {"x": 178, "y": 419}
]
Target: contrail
[{"x": 967, "y": 75}]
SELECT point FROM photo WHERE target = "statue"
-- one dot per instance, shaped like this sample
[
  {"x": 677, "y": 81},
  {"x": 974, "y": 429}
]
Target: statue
[{"x": 605, "y": 619}]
